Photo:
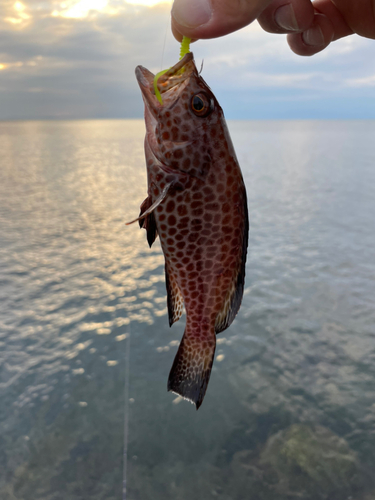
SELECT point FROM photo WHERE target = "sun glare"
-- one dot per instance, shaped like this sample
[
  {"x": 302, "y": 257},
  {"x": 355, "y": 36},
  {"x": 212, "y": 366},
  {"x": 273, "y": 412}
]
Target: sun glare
[
  {"x": 21, "y": 15},
  {"x": 81, "y": 8},
  {"x": 148, "y": 3},
  {"x": 19, "y": 6},
  {"x": 78, "y": 9}
]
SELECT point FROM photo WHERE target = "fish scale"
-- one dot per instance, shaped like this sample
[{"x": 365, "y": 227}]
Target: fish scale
[{"x": 197, "y": 205}]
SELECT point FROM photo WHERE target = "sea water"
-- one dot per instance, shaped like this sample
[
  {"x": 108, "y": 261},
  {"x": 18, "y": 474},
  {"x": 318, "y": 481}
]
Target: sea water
[{"x": 85, "y": 346}]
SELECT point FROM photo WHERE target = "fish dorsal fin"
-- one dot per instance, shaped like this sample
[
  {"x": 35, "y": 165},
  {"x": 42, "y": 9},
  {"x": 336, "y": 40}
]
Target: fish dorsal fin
[
  {"x": 152, "y": 207},
  {"x": 235, "y": 293},
  {"x": 175, "y": 300}
]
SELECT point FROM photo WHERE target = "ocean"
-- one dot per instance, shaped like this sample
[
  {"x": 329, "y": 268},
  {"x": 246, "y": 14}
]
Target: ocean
[{"x": 85, "y": 346}]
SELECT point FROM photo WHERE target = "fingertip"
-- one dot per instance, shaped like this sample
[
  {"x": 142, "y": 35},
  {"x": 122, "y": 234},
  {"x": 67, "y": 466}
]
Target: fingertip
[
  {"x": 175, "y": 31},
  {"x": 178, "y": 35},
  {"x": 313, "y": 40},
  {"x": 281, "y": 17},
  {"x": 190, "y": 16}
]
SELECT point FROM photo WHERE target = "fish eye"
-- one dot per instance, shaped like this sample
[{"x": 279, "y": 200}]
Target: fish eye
[{"x": 201, "y": 104}]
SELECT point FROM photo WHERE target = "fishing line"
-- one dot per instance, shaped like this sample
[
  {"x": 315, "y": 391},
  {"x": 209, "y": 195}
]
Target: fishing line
[
  {"x": 127, "y": 359},
  {"x": 164, "y": 43},
  {"x": 184, "y": 49},
  {"x": 126, "y": 413}
]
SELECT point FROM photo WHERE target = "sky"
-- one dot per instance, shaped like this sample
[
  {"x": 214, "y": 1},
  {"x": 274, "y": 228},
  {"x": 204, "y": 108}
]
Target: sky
[{"x": 75, "y": 59}]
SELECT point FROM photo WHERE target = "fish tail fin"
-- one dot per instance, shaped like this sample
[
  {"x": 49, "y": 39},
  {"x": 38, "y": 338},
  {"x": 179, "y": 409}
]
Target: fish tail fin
[{"x": 191, "y": 369}]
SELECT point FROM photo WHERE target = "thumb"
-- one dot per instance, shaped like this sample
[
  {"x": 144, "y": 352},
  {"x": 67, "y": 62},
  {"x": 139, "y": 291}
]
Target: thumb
[{"x": 213, "y": 18}]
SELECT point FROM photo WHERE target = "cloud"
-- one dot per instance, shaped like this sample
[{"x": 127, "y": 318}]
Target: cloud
[
  {"x": 367, "y": 81},
  {"x": 86, "y": 64},
  {"x": 69, "y": 59}
]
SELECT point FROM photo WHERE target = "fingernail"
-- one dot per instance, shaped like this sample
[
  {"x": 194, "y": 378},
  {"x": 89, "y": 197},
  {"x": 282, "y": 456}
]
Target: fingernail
[
  {"x": 191, "y": 13},
  {"x": 313, "y": 36},
  {"x": 286, "y": 18}
]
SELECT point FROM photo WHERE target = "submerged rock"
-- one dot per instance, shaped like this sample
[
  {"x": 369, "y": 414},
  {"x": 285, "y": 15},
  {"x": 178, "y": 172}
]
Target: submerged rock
[
  {"x": 310, "y": 462},
  {"x": 304, "y": 462}
]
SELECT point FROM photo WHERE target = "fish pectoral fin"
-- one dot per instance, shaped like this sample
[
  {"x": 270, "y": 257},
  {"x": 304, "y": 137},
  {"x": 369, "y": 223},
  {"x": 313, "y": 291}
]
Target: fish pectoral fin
[
  {"x": 146, "y": 220},
  {"x": 175, "y": 300},
  {"x": 146, "y": 217},
  {"x": 149, "y": 224},
  {"x": 191, "y": 369},
  {"x": 152, "y": 207}
]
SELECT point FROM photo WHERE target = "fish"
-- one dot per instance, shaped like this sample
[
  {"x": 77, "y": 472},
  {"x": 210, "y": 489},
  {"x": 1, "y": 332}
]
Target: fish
[{"x": 197, "y": 205}]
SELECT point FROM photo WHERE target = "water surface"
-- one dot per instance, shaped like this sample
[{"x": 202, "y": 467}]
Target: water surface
[{"x": 81, "y": 293}]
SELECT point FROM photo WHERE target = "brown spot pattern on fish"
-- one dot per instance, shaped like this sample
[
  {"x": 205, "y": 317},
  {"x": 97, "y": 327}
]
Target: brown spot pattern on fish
[{"x": 197, "y": 201}]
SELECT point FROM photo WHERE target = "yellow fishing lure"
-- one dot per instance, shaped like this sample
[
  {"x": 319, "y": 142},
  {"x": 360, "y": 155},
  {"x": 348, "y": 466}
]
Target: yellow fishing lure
[{"x": 184, "y": 49}]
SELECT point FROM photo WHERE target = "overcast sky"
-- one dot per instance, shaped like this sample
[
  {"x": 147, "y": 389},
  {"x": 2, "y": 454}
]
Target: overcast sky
[{"x": 62, "y": 60}]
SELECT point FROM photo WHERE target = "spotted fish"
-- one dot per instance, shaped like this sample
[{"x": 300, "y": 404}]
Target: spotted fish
[{"x": 197, "y": 205}]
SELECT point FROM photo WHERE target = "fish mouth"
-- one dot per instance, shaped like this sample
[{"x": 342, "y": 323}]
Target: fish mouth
[{"x": 170, "y": 83}]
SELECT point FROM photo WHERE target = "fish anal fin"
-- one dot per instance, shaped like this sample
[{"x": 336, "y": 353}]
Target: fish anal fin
[
  {"x": 191, "y": 369},
  {"x": 234, "y": 296},
  {"x": 174, "y": 297}
]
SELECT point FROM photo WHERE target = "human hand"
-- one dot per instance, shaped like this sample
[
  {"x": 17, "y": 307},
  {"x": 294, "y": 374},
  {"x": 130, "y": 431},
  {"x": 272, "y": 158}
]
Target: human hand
[{"x": 311, "y": 27}]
